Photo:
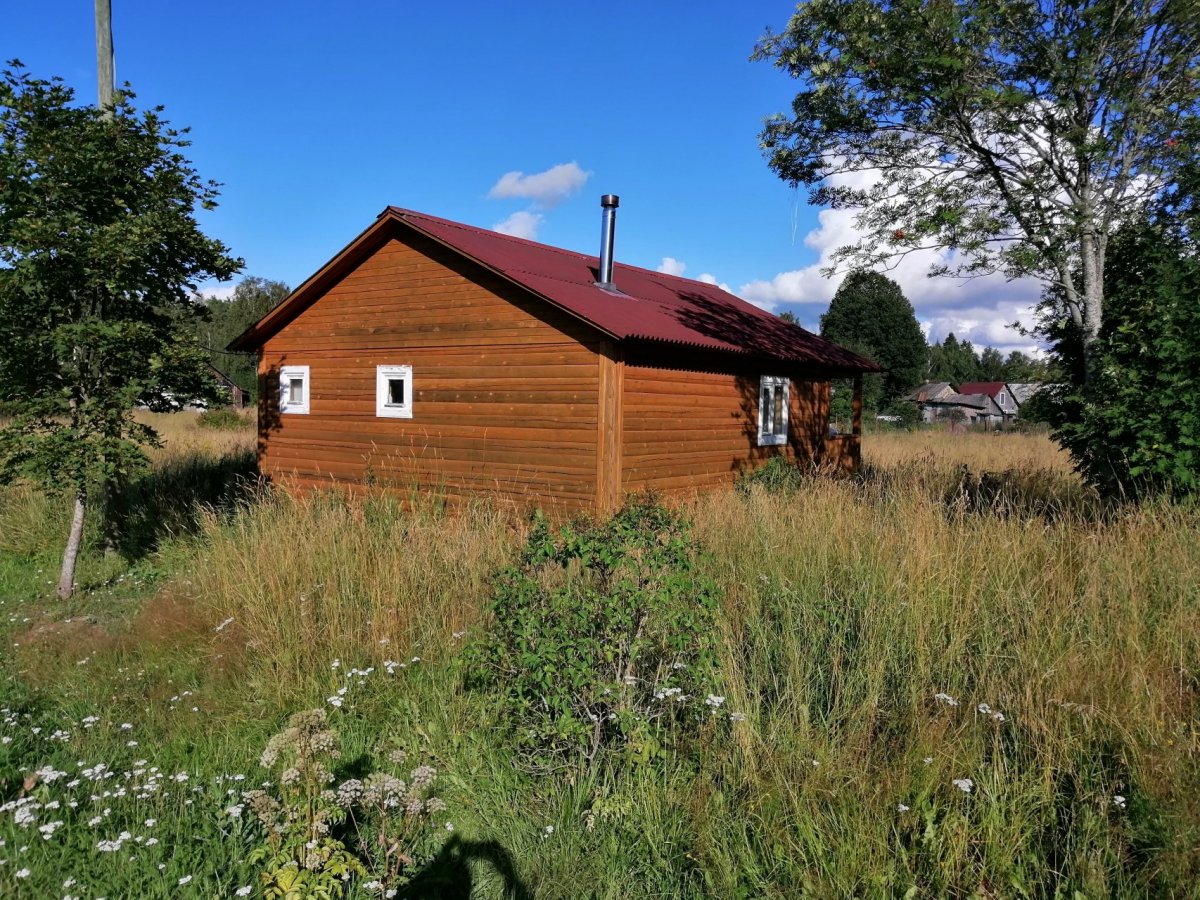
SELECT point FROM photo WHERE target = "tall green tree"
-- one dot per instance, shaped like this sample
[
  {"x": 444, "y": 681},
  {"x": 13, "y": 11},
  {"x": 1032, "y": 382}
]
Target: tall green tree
[
  {"x": 100, "y": 253},
  {"x": 1134, "y": 429},
  {"x": 1017, "y": 134},
  {"x": 953, "y": 360},
  {"x": 870, "y": 315},
  {"x": 225, "y": 319}
]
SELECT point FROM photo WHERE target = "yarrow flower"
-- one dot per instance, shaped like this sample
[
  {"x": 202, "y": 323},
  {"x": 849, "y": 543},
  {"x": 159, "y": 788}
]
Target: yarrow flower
[
  {"x": 966, "y": 785},
  {"x": 900, "y": 807},
  {"x": 945, "y": 698},
  {"x": 713, "y": 700}
]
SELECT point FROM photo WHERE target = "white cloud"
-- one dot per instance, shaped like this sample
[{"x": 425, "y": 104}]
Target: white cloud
[
  {"x": 978, "y": 309},
  {"x": 523, "y": 224},
  {"x": 712, "y": 279},
  {"x": 671, "y": 266},
  {"x": 548, "y": 188},
  {"x": 215, "y": 290}
]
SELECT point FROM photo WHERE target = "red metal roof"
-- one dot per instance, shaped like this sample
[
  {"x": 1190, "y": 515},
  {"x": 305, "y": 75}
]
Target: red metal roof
[
  {"x": 991, "y": 388},
  {"x": 646, "y": 305}
]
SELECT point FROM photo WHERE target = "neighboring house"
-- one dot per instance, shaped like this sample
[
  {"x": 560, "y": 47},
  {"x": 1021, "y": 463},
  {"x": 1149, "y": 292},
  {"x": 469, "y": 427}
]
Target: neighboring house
[
  {"x": 1023, "y": 390},
  {"x": 926, "y": 395},
  {"x": 431, "y": 354},
  {"x": 1000, "y": 393},
  {"x": 969, "y": 409},
  {"x": 237, "y": 396}
]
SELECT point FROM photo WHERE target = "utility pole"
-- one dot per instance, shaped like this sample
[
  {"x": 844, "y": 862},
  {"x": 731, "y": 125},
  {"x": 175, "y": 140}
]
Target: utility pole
[{"x": 104, "y": 55}]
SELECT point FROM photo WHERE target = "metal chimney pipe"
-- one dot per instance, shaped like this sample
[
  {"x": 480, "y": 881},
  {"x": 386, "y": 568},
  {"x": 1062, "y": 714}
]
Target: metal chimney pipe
[{"x": 608, "y": 230}]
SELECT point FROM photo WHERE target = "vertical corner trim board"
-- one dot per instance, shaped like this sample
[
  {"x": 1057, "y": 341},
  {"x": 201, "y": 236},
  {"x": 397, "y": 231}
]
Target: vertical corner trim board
[{"x": 610, "y": 429}]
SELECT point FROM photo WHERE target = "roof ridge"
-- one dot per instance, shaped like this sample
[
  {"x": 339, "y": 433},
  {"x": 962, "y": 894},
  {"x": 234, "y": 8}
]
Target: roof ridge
[{"x": 666, "y": 276}]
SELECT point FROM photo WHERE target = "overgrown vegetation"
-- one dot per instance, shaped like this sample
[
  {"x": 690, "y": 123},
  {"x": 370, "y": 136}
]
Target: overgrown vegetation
[
  {"x": 919, "y": 697},
  {"x": 602, "y": 638}
]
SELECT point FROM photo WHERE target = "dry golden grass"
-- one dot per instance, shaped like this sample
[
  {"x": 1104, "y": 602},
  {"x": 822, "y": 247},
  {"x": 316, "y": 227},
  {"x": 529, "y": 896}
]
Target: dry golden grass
[
  {"x": 182, "y": 435},
  {"x": 994, "y": 451}
]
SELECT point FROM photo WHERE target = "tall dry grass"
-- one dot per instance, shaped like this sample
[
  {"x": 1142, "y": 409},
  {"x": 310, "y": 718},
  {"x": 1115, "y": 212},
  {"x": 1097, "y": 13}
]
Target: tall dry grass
[
  {"x": 848, "y": 607},
  {"x": 324, "y": 576},
  {"x": 847, "y": 611},
  {"x": 992, "y": 451}
]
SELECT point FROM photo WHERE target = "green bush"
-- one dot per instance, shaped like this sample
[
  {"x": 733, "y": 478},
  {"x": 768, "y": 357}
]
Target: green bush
[
  {"x": 604, "y": 638},
  {"x": 222, "y": 419}
]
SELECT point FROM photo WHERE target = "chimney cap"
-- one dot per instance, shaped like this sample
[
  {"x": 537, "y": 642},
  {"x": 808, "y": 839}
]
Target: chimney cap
[{"x": 610, "y": 201}]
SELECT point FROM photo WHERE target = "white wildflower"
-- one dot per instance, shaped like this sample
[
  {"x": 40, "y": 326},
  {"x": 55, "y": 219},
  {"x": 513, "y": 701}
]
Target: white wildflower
[
  {"x": 945, "y": 698},
  {"x": 966, "y": 785},
  {"x": 1118, "y": 801}
]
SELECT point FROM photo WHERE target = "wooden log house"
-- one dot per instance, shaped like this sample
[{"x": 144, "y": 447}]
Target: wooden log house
[{"x": 432, "y": 355}]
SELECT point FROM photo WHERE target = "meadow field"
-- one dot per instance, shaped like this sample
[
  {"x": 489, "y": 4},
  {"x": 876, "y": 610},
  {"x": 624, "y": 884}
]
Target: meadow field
[{"x": 959, "y": 675}]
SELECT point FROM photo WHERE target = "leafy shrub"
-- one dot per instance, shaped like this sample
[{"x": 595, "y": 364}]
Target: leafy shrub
[
  {"x": 604, "y": 638},
  {"x": 222, "y": 419},
  {"x": 308, "y": 822}
]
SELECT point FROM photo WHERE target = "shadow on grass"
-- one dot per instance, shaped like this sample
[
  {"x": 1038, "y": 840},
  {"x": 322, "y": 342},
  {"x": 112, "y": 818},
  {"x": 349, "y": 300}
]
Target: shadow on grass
[
  {"x": 165, "y": 501},
  {"x": 453, "y": 873}
]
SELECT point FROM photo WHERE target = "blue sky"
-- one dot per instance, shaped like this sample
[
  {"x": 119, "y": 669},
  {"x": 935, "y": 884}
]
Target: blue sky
[{"x": 315, "y": 116}]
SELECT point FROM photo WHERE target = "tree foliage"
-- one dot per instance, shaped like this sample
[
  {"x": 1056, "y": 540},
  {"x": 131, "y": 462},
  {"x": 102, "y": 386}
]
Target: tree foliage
[
  {"x": 870, "y": 315},
  {"x": 1135, "y": 428},
  {"x": 1015, "y": 134},
  {"x": 99, "y": 256},
  {"x": 957, "y": 361}
]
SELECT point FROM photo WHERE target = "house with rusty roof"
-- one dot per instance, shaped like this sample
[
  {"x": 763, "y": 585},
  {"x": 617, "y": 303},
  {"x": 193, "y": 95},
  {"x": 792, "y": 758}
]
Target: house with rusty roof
[
  {"x": 433, "y": 355},
  {"x": 1000, "y": 393}
]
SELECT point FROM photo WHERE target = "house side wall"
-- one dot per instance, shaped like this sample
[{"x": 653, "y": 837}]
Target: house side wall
[
  {"x": 685, "y": 430},
  {"x": 504, "y": 394}
]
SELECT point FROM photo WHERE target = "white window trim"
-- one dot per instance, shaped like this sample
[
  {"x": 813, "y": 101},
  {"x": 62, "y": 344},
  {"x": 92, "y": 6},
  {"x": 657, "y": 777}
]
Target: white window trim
[
  {"x": 286, "y": 374},
  {"x": 769, "y": 435},
  {"x": 385, "y": 410}
]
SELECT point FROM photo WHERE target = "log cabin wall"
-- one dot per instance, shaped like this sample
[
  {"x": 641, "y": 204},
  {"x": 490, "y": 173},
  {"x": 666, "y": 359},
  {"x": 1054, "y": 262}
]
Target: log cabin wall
[
  {"x": 504, "y": 388},
  {"x": 686, "y": 430}
]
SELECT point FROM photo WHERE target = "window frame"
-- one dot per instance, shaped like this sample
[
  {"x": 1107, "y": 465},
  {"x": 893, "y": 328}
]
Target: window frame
[
  {"x": 286, "y": 375},
  {"x": 383, "y": 376},
  {"x": 770, "y": 434}
]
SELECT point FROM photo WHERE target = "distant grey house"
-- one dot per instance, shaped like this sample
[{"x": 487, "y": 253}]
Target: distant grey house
[
  {"x": 1000, "y": 393},
  {"x": 1023, "y": 390},
  {"x": 970, "y": 409}
]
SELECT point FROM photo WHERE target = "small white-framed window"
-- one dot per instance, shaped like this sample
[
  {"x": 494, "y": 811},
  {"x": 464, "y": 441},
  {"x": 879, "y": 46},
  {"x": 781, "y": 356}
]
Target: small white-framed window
[
  {"x": 293, "y": 389},
  {"x": 393, "y": 392},
  {"x": 773, "y": 396}
]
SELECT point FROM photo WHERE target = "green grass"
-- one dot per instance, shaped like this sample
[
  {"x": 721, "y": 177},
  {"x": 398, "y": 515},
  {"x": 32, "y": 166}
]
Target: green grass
[{"x": 846, "y": 608}]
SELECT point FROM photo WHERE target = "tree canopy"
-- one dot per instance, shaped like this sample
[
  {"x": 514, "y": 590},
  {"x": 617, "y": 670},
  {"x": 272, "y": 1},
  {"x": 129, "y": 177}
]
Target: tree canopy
[
  {"x": 870, "y": 314},
  {"x": 1015, "y": 134},
  {"x": 100, "y": 254}
]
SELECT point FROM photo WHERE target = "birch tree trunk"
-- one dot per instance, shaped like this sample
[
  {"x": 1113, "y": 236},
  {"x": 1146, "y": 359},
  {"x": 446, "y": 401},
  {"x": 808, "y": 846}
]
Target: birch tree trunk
[{"x": 66, "y": 579}]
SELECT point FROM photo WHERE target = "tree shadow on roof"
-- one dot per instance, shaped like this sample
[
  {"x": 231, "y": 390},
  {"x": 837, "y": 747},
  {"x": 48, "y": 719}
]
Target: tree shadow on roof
[{"x": 762, "y": 333}]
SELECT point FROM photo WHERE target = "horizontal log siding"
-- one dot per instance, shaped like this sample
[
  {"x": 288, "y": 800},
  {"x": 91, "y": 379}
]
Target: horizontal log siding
[
  {"x": 687, "y": 430},
  {"x": 504, "y": 395}
]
